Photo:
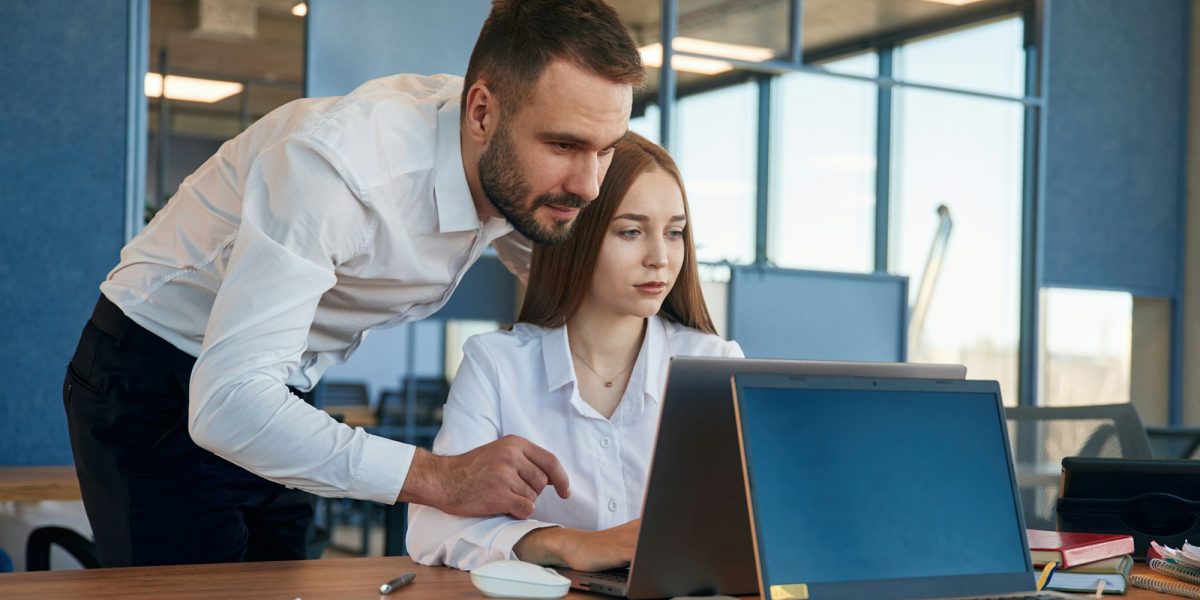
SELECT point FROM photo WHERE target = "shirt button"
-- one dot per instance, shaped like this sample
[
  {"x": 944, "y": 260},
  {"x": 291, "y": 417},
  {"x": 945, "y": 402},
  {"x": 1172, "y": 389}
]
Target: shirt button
[
  {"x": 605, "y": 442},
  {"x": 612, "y": 506}
]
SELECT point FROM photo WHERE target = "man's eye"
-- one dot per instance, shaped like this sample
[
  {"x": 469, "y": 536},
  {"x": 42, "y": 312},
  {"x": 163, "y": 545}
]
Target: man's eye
[
  {"x": 607, "y": 151},
  {"x": 563, "y": 146}
]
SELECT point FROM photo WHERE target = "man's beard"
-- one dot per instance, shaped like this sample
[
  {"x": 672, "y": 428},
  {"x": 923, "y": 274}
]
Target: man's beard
[{"x": 505, "y": 187}]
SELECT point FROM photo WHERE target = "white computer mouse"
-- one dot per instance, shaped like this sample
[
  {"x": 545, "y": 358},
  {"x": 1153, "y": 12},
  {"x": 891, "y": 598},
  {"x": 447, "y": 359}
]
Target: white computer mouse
[{"x": 519, "y": 579}]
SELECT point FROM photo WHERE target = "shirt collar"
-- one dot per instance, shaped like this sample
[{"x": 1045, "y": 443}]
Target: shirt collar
[
  {"x": 655, "y": 351},
  {"x": 456, "y": 210},
  {"x": 647, "y": 370},
  {"x": 556, "y": 353}
]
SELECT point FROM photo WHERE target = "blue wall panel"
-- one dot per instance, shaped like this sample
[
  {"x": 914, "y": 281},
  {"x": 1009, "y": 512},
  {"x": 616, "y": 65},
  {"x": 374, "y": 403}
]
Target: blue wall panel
[
  {"x": 488, "y": 292},
  {"x": 818, "y": 315},
  {"x": 1116, "y": 118},
  {"x": 64, "y": 74},
  {"x": 352, "y": 41}
]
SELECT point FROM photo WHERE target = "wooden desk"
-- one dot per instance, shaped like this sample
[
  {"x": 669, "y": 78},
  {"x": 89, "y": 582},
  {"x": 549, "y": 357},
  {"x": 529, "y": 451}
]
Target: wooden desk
[
  {"x": 34, "y": 484},
  {"x": 355, "y": 416},
  {"x": 347, "y": 578}
]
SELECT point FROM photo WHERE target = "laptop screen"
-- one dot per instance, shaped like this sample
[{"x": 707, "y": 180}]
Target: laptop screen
[{"x": 854, "y": 480}]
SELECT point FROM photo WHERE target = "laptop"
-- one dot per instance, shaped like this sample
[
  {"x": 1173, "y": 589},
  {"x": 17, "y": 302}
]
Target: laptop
[
  {"x": 881, "y": 488},
  {"x": 695, "y": 536}
]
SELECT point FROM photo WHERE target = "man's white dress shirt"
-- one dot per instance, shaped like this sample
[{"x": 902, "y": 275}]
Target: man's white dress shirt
[
  {"x": 522, "y": 382},
  {"x": 326, "y": 218}
]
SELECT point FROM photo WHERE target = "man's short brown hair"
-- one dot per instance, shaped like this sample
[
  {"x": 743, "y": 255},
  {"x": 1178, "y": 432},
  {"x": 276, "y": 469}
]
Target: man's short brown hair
[{"x": 521, "y": 37}]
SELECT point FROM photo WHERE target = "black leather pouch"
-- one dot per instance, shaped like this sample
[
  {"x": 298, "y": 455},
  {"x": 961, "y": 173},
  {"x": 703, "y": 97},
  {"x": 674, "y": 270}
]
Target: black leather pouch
[{"x": 1149, "y": 499}]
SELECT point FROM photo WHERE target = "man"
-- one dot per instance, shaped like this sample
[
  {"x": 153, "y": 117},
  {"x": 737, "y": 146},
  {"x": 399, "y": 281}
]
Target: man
[{"x": 325, "y": 219}]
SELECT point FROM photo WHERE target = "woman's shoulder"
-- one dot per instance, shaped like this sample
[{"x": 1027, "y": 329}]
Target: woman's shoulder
[
  {"x": 522, "y": 337},
  {"x": 687, "y": 341}
]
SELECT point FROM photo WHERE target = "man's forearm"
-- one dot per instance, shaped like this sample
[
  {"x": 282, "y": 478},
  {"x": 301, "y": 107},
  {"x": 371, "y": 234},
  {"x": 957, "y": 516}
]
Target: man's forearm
[{"x": 422, "y": 485}]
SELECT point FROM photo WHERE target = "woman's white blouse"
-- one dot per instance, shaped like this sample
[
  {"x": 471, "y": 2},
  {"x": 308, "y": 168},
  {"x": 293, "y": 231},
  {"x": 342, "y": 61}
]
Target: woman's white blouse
[{"x": 522, "y": 382}]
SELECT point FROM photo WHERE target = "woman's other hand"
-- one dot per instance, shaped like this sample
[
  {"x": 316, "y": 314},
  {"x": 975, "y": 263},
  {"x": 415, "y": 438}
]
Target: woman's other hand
[{"x": 580, "y": 550}]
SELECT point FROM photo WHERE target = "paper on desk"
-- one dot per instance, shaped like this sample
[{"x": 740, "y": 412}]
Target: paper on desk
[{"x": 1188, "y": 555}]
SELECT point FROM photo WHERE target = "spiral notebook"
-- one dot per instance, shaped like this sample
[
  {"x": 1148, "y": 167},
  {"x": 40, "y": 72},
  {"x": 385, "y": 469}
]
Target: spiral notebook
[
  {"x": 1176, "y": 570},
  {"x": 1164, "y": 584}
]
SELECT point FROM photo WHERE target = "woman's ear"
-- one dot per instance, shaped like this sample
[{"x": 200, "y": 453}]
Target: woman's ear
[{"x": 479, "y": 121}]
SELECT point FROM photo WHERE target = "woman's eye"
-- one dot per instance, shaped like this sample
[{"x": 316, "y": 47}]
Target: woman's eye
[
  {"x": 675, "y": 234},
  {"x": 629, "y": 233}
]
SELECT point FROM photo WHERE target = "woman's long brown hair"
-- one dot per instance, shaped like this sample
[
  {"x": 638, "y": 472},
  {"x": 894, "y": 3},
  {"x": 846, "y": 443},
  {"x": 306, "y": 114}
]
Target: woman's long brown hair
[{"x": 560, "y": 275}]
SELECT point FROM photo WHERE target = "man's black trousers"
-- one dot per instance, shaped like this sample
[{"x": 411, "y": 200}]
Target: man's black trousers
[{"x": 152, "y": 495}]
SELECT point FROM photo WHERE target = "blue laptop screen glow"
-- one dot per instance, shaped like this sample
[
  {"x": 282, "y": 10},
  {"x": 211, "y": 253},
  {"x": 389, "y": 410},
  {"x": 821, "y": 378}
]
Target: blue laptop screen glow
[{"x": 879, "y": 485}]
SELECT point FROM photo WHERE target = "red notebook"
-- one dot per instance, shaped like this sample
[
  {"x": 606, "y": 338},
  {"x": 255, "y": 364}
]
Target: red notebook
[{"x": 1072, "y": 549}]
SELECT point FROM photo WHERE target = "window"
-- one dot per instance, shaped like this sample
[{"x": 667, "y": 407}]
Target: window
[
  {"x": 458, "y": 331},
  {"x": 965, "y": 153},
  {"x": 716, "y": 151},
  {"x": 984, "y": 58},
  {"x": 948, "y": 148},
  {"x": 822, "y": 205},
  {"x": 1086, "y": 347},
  {"x": 647, "y": 123}
]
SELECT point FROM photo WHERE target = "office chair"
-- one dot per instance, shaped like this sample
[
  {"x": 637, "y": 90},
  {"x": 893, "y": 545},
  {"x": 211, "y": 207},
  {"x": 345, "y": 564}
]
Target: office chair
[
  {"x": 1174, "y": 442},
  {"x": 37, "y": 548},
  {"x": 429, "y": 395},
  {"x": 332, "y": 395},
  {"x": 1041, "y": 436}
]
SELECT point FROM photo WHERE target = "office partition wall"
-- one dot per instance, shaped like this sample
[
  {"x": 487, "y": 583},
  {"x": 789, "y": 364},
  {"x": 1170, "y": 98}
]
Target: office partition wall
[
  {"x": 820, "y": 315},
  {"x": 70, "y": 177}
]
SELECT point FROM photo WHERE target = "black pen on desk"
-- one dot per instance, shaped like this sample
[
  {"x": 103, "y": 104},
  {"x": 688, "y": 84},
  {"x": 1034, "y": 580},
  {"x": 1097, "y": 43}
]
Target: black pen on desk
[{"x": 397, "y": 583}]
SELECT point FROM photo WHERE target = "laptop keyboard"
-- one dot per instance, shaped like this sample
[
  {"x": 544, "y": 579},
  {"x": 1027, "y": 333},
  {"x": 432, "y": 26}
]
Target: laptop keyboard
[{"x": 619, "y": 575}]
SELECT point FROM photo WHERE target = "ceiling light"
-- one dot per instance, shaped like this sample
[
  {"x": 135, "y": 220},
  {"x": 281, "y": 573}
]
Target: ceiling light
[
  {"x": 954, "y": 2},
  {"x": 722, "y": 50},
  {"x": 300, "y": 9},
  {"x": 652, "y": 55},
  {"x": 190, "y": 88}
]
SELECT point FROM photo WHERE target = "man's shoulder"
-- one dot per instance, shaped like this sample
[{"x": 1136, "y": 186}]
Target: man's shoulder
[
  {"x": 394, "y": 101},
  {"x": 415, "y": 86},
  {"x": 385, "y": 127}
]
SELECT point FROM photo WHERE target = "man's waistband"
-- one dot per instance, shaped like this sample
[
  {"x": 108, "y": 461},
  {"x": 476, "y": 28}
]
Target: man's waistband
[{"x": 109, "y": 319}]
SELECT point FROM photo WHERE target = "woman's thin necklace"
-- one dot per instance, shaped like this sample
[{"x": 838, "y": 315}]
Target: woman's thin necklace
[{"x": 608, "y": 381}]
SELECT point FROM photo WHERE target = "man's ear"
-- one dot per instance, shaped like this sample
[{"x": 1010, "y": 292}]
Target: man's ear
[{"x": 482, "y": 111}]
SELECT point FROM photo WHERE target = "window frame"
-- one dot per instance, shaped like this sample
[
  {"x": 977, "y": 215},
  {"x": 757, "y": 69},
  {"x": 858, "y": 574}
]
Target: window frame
[{"x": 797, "y": 61}]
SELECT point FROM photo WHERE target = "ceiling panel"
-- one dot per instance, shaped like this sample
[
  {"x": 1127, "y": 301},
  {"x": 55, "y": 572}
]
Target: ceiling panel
[{"x": 272, "y": 57}]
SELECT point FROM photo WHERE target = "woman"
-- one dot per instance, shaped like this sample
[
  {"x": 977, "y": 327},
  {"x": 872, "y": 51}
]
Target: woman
[{"x": 581, "y": 374}]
